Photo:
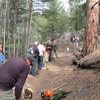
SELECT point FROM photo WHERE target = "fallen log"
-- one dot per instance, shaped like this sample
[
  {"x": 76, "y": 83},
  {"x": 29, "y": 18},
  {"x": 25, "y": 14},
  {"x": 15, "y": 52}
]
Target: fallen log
[{"x": 92, "y": 60}]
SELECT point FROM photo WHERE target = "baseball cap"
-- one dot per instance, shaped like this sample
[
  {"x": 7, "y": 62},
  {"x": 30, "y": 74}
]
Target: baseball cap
[{"x": 29, "y": 56}]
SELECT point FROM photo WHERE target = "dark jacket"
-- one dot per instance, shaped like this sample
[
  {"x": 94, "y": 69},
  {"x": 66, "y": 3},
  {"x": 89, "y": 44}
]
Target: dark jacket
[{"x": 34, "y": 51}]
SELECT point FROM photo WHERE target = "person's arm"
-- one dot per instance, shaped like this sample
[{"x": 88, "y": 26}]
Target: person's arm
[{"x": 20, "y": 82}]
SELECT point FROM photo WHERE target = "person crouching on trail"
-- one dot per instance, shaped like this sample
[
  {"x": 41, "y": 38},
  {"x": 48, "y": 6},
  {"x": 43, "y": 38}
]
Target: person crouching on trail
[{"x": 13, "y": 73}]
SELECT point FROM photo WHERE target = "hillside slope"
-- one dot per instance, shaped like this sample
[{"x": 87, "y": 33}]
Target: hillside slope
[{"x": 84, "y": 84}]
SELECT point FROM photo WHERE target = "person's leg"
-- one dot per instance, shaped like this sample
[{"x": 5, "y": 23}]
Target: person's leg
[
  {"x": 56, "y": 54},
  {"x": 7, "y": 95},
  {"x": 77, "y": 46},
  {"x": 74, "y": 47},
  {"x": 40, "y": 62},
  {"x": 33, "y": 68},
  {"x": 50, "y": 55},
  {"x": 47, "y": 56}
]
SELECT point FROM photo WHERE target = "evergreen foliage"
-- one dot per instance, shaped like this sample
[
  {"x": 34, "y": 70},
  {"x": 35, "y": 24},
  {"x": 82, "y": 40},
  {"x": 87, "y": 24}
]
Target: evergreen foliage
[{"x": 20, "y": 26}]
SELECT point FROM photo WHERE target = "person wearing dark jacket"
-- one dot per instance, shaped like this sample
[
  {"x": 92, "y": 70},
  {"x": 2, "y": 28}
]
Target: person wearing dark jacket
[
  {"x": 35, "y": 53},
  {"x": 49, "y": 47},
  {"x": 13, "y": 73}
]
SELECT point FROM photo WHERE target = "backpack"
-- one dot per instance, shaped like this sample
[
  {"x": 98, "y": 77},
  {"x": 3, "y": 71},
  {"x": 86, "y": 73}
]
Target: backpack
[{"x": 34, "y": 51}]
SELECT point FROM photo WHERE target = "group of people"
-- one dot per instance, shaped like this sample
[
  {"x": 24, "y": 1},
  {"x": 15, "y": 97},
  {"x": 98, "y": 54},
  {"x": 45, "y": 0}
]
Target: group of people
[
  {"x": 37, "y": 51},
  {"x": 13, "y": 73},
  {"x": 41, "y": 54}
]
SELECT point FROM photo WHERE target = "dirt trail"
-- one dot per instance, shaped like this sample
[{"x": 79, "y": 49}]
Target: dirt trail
[{"x": 84, "y": 84}]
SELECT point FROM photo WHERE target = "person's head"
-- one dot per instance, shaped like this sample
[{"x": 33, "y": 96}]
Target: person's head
[
  {"x": 29, "y": 59},
  {"x": 1, "y": 48},
  {"x": 36, "y": 43}
]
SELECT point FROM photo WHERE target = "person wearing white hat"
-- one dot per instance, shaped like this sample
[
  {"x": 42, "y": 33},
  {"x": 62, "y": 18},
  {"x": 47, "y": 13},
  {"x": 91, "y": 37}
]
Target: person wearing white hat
[{"x": 35, "y": 53}]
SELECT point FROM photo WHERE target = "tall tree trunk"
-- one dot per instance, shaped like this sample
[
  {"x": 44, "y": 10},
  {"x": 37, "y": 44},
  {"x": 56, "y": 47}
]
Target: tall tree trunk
[
  {"x": 17, "y": 49},
  {"x": 14, "y": 34},
  {"x": 76, "y": 22},
  {"x": 91, "y": 36},
  {"x": 13, "y": 22},
  {"x": 99, "y": 23},
  {"x": 29, "y": 23},
  {"x": 5, "y": 25},
  {"x": 9, "y": 48},
  {"x": 52, "y": 32}
]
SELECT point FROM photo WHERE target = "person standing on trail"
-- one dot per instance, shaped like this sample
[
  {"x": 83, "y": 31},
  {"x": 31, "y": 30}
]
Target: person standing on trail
[
  {"x": 41, "y": 49},
  {"x": 46, "y": 53},
  {"x": 55, "y": 49},
  {"x": 49, "y": 47},
  {"x": 13, "y": 73},
  {"x": 72, "y": 37},
  {"x": 76, "y": 43},
  {"x": 35, "y": 53},
  {"x": 1, "y": 55}
]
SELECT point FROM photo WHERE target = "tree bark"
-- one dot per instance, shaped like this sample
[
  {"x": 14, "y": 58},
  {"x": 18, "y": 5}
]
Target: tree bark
[
  {"x": 29, "y": 24},
  {"x": 5, "y": 26},
  {"x": 91, "y": 35},
  {"x": 13, "y": 22},
  {"x": 92, "y": 60}
]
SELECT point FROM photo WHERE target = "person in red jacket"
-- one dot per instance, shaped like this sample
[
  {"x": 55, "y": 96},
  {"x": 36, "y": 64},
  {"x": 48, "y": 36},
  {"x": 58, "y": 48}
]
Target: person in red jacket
[
  {"x": 49, "y": 48},
  {"x": 13, "y": 73}
]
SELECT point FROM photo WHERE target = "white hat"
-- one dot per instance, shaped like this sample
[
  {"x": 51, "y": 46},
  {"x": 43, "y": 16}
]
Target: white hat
[{"x": 35, "y": 42}]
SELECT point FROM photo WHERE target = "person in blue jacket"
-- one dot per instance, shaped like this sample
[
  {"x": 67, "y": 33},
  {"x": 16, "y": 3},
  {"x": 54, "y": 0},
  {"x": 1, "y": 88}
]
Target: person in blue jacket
[{"x": 1, "y": 55}]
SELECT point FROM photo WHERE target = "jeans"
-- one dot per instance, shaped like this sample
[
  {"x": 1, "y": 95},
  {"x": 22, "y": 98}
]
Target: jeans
[
  {"x": 76, "y": 46},
  {"x": 7, "y": 95},
  {"x": 55, "y": 52},
  {"x": 40, "y": 63},
  {"x": 34, "y": 65},
  {"x": 50, "y": 56}
]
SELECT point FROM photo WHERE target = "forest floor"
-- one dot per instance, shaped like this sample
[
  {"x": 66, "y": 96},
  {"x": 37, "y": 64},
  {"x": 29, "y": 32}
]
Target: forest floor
[{"x": 84, "y": 83}]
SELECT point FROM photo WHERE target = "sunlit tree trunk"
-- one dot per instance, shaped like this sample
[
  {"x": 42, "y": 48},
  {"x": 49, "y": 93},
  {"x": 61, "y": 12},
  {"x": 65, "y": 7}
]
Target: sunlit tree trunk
[{"x": 91, "y": 35}]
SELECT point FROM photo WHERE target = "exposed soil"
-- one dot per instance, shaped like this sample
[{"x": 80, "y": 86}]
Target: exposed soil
[{"x": 84, "y": 83}]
